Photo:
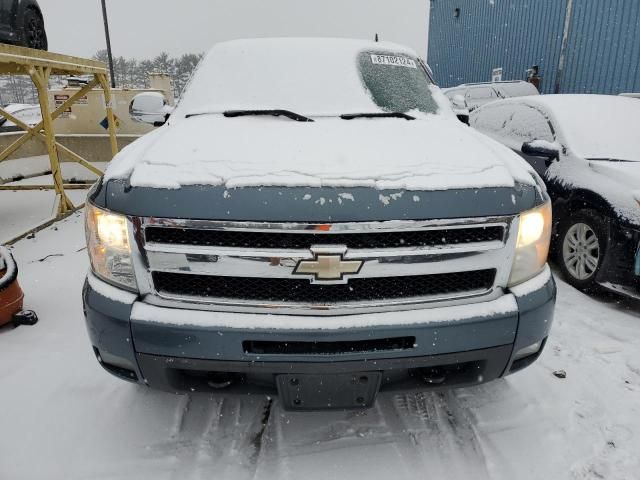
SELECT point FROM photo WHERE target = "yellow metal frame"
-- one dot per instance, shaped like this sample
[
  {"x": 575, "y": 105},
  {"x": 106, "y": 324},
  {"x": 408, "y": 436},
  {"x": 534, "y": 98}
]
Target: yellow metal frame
[{"x": 40, "y": 66}]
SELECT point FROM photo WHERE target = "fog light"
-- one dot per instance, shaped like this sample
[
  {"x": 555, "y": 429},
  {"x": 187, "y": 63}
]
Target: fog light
[{"x": 529, "y": 350}]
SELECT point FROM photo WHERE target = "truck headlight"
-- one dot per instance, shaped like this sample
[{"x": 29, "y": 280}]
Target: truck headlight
[
  {"x": 108, "y": 247},
  {"x": 532, "y": 247}
]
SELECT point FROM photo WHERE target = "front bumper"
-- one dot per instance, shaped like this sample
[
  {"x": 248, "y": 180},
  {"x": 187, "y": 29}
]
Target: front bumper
[{"x": 180, "y": 350}]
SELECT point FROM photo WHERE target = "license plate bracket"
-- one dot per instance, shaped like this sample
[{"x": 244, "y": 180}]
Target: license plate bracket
[{"x": 340, "y": 391}]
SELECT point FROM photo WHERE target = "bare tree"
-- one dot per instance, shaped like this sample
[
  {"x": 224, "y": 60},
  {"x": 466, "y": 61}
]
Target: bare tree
[{"x": 129, "y": 72}]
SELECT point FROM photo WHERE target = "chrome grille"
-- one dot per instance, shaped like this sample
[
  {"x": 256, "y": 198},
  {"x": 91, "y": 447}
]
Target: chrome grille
[
  {"x": 249, "y": 266},
  {"x": 302, "y": 291}
]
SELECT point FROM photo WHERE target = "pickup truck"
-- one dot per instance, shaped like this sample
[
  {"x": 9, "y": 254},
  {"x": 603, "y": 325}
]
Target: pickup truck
[{"x": 313, "y": 222}]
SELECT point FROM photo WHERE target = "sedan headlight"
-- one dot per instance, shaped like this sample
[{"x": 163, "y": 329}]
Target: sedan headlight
[
  {"x": 532, "y": 247},
  {"x": 108, "y": 247}
]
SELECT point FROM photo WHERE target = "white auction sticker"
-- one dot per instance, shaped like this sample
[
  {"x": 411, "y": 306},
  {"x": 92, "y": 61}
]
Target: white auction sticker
[{"x": 393, "y": 60}]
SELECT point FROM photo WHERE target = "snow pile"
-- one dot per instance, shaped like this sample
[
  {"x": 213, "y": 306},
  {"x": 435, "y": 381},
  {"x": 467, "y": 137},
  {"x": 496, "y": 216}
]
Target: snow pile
[{"x": 545, "y": 144}]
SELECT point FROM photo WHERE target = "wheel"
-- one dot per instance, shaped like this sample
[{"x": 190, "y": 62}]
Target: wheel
[
  {"x": 34, "y": 33},
  {"x": 581, "y": 248}
]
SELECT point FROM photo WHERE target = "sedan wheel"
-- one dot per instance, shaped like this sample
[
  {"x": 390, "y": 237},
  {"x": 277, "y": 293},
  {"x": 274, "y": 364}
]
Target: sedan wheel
[{"x": 581, "y": 251}]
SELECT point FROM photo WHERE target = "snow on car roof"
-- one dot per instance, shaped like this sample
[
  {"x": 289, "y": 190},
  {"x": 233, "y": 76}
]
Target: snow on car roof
[
  {"x": 321, "y": 76},
  {"x": 595, "y": 126}
]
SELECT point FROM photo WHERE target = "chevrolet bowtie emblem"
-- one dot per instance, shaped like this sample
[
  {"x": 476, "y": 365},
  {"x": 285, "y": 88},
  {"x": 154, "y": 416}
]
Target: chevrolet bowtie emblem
[{"x": 328, "y": 264}]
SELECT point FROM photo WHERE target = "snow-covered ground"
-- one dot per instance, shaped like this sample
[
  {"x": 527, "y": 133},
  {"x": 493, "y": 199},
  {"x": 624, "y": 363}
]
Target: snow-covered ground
[
  {"x": 24, "y": 210},
  {"x": 63, "y": 417}
]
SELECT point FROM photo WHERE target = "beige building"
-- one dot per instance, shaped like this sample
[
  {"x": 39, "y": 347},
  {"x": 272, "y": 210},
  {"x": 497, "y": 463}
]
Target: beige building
[{"x": 87, "y": 117}]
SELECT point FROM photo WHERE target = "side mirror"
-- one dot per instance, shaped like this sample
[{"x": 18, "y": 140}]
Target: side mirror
[
  {"x": 541, "y": 148},
  {"x": 151, "y": 108},
  {"x": 459, "y": 102},
  {"x": 464, "y": 118},
  {"x": 459, "y": 105}
]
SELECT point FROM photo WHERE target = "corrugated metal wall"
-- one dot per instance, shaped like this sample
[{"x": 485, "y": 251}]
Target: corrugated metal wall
[
  {"x": 602, "y": 50},
  {"x": 603, "y": 53}
]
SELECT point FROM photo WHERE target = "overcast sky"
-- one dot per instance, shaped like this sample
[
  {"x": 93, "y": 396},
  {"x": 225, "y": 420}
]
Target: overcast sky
[{"x": 144, "y": 28}]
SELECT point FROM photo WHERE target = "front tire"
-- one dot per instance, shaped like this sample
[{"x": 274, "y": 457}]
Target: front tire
[{"x": 581, "y": 249}]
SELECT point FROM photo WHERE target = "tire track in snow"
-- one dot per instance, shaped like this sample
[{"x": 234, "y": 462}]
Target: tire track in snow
[
  {"x": 213, "y": 435},
  {"x": 331, "y": 444},
  {"x": 195, "y": 417},
  {"x": 258, "y": 440},
  {"x": 400, "y": 436},
  {"x": 442, "y": 431}
]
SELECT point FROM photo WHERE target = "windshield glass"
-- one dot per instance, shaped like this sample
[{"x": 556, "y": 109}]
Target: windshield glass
[
  {"x": 396, "y": 83},
  {"x": 311, "y": 77}
]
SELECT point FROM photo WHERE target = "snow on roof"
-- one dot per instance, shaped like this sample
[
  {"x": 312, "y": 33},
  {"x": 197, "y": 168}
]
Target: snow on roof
[
  {"x": 310, "y": 76},
  {"x": 595, "y": 126}
]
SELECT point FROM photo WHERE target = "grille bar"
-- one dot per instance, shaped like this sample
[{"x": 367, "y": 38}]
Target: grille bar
[
  {"x": 302, "y": 291},
  {"x": 304, "y": 240}
]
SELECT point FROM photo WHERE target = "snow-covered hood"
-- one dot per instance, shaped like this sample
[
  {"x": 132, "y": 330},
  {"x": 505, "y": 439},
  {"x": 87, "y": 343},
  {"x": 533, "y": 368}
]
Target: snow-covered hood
[
  {"x": 431, "y": 153},
  {"x": 617, "y": 182},
  {"x": 625, "y": 173}
]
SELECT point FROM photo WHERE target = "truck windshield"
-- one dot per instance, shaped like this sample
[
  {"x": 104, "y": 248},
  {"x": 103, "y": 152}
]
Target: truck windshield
[
  {"x": 396, "y": 82},
  {"x": 311, "y": 77}
]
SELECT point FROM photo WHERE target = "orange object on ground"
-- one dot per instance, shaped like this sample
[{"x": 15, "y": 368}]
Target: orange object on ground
[{"x": 11, "y": 295}]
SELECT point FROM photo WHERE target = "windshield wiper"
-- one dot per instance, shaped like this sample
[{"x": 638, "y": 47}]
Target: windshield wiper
[
  {"x": 608, "y": 160},
  {"x": 276, "y": 113},
  {"x": 351, "y": 116}
]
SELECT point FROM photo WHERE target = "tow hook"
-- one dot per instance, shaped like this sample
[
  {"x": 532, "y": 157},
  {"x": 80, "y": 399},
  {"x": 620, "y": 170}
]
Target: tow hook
[
  {"x": 433, "y": 376},
  {"x": 222, "y": 380}
]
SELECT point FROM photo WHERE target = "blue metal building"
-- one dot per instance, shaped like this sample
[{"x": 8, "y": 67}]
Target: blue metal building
[{"x": 580, "y": 46}]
